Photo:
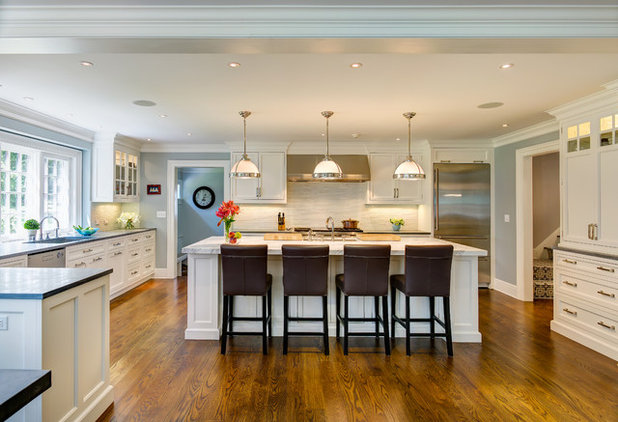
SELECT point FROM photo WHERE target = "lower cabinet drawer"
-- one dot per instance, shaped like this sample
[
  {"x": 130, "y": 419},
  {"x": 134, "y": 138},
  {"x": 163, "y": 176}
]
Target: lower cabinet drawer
[
  {"x": 590, "y": 265},
  {"x": 601, "y": 292},
  {"x": 21, "y": 261},
  {"x": 133, "y": 272},
  {"x": 92, "y": 261},
  {"x": 147, "y": 268},
  {"x": 85, "y": 249},
  {"x": 148, "y": 249},
  {"x": 134, "y": 255},
  {"x": 591, "y": 319}
]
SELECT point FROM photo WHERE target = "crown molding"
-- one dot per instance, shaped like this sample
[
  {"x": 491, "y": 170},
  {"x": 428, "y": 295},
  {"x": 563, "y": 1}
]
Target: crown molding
[
  {"x": 180, "y": 148},
  {"x": 529, "y": 132},
  {"x": 26, "y": 115},
  {"x": 462, "y": 143},
  {"x": 309, "y": 21},
  {"x": 590, "y": 104}
]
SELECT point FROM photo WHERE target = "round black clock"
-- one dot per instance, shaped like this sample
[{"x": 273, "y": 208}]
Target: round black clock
[{"x": 203, "y": 197}]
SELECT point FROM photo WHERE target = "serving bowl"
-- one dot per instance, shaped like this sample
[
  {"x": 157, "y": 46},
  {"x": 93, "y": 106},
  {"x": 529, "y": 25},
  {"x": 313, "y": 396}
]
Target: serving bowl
[{"x": 87, "y": 232}]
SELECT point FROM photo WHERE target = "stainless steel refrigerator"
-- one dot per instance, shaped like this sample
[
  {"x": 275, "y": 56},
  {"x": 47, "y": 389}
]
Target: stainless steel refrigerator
[{"x": 462, "y": 208}]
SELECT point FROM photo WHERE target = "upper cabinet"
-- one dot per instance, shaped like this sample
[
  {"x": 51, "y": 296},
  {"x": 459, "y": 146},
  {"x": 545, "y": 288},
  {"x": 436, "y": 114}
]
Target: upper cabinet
[
  {"x": 115, "y": 170},
  {"x": 461, "y": 155},
  {"x": 270, "y": 187},
  {"x": 383, "y": 189}
]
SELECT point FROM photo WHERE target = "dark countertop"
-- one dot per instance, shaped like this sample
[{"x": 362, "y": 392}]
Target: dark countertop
[
  {"x": 410, "y": 232},
  {"x": 39, "y": 283},
  {"x": 21, "y": 247},
  {"x": 18, "y": 387},
  {"x": 590, "y": 253}
]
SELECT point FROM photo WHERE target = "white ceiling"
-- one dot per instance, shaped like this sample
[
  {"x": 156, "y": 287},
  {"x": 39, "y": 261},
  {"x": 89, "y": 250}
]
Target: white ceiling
[{"x": 287, "y": 83}]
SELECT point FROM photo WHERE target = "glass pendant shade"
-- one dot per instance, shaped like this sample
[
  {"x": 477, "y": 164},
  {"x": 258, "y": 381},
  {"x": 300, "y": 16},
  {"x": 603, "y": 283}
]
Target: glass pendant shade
[
  {"x": 327, "y": 169},
  {"x": 244, "y": 168},
  {"x": 409, "y": 169}
]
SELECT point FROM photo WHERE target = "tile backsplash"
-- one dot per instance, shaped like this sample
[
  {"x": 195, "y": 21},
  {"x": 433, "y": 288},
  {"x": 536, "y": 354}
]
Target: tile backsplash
[
  {"x": 104, "y": 214},
  {"x": 309, "y": 204}
]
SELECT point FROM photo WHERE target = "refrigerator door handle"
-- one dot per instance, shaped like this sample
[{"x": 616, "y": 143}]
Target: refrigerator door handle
[{"x": 436, "y": 195}]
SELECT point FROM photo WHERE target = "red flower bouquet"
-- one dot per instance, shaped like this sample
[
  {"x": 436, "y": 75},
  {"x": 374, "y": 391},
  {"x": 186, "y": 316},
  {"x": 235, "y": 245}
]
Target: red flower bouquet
[{"x": 226, "y": 212}]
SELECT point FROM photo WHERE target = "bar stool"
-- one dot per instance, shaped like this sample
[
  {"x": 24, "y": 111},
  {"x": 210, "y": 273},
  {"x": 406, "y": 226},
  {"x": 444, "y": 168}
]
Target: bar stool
[
  {"x": 244, "y": 274},
  {"x": 427, "y": 273},
  {"x": 365, "y": 273},
  {"x": 305, "y": 273}
]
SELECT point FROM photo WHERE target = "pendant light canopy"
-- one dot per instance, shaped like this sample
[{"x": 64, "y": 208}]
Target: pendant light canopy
[
  {"x": 244, "y": 168},
  {"x": 327, "y": 168},
  {"x": 409, "y": 169}
]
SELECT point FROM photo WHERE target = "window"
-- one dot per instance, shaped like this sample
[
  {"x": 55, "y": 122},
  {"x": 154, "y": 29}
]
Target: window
[{"x": 37, "y": 179}]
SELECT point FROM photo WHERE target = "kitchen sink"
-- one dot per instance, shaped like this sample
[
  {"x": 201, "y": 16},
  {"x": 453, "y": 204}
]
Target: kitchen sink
[{"x": 58, "y": 239}]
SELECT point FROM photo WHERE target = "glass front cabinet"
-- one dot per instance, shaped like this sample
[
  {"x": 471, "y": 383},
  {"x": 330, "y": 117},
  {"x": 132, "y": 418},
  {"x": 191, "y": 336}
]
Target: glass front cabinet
[
  {"x": 115, "y": 170},
  {"x": 125, "y": 175}
]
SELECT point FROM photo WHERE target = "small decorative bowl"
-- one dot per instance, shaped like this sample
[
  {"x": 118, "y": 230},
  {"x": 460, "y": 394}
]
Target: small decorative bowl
[{"x": 87, "y": 232}]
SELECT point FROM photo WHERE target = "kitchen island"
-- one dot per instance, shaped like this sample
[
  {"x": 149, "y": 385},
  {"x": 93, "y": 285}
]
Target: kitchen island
[{"x": 204, "y": 298}]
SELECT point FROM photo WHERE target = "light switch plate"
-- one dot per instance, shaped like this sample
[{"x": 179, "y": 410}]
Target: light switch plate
[
  {"x": 161, "y": 214},
  {"x": 4, "y": 322},
  {"x": 507, "y": 218}
]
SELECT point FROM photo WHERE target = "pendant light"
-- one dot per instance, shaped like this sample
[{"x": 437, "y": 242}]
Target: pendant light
[
  {"x": 409, "y": 169},
  {"x": 327, "y": 168},
  {"x": 244, "y": 168}
]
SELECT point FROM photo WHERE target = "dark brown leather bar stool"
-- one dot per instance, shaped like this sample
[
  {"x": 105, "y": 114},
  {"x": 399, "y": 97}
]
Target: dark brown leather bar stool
[
  {"x": 244, "y": 274},
  {"x": 365, "y": 273},
  {"x": 305, "y": 273},
  {"x": 427, "y": 273}
]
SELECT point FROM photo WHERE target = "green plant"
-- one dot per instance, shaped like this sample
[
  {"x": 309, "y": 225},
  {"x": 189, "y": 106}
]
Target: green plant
[
  {"x": 31, "y": 224},
  {"x": 397, "y": 221}
]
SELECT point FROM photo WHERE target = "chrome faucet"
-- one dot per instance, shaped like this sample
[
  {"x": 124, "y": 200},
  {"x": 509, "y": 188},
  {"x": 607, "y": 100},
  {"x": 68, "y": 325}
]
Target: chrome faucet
[
  {"x": 310, "y": 235},
  {"x": 332, "y": 227},
  {"x": 57, "y": 225}
]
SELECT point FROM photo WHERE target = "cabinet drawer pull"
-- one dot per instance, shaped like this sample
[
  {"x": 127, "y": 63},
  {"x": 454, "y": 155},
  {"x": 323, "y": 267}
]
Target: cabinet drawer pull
[
  {"x": 568, "y": 311},
  {"x": 134, "y": 240},
  {"x": 148, "y": 236},
  {"x": 117, "y": 244},
  {"x": 148, "y": 250},
  {"x": 568, "y": 283},
  {"x": 609, "y": 327},
  {"x": 569, "y": 261},
  {"x": 134, "y": 272},
  {"x": 117, "y": 253},
  {"x": 97, "y": 259},
  {"x": 134, "y": 254},
  {"x": 609, "y": 270},
  {"x": 601, "y": 292},
  {"x": 148, "y": 266},
  {"x": 445, "y": 161},
  {"x": 86, "y": 250},
  {"x": 81, "y": 264}
]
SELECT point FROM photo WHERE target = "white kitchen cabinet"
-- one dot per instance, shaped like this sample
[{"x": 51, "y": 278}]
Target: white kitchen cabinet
[
  {"x": 16, "y": 261},
  {"x": 461, "y": 155},
  {"x": 383, "y": 189},
  {"x": 115, "y": 170},
  {"x": 270, "y": 187}
]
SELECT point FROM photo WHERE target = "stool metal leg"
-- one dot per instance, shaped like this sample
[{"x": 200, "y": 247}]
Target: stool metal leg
[
  {"x": 393, "y": 309},
  {"x": 376, "y": 301},
  {"x": 264, "y": 326},
  {"x": 387, "y": 340},
  {"x": 286, "y": 304},
  {"x": 447, "y": 323},
  {"x": 325, "y": 316},
  {"x": 432, "y": 316},
  {"x": 338, "y": 311},
  {"x": 345, "y": 323},
  {"x": 225, "y": 321},
  {"x": 270, "y": 312},
  {"x": 408, "y": 325}
]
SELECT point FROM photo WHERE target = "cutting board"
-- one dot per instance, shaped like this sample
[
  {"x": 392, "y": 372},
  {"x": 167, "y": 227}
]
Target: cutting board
[
  {"x": 377, "y": 237},
  {"x": 283, "y": 236}
]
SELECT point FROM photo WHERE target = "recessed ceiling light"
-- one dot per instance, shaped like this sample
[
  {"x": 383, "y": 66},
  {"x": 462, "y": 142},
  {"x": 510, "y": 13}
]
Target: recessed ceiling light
[
  {"x": 144, "y": 103},
  {"x": 505, "y": 125},
  {"x": 86, "y": 63},
  {"x": 28, "y": 98},
  {"x": 149, "y": 139},
  {"x": 233, "y": 64},
  {"x": 494, "y": 104},
  {"x": 506, "y": 66},
  {"x": 356, "y": 135},
  {"x": 188, "y": 133},
  {"x": 70, "y": 114},
  {"x": 322, "y": 134},
  {"x": 356, "y": 65},
  {"x": 398, "y": 139},
  {"x": 163, "y": 116}
]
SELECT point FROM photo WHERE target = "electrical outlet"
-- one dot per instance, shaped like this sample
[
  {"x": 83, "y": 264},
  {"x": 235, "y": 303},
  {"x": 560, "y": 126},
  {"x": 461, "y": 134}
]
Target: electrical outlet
[
  {"x": 161, "y": 214},
  {"x": 507, "y": 218},
  {"x": 4, "y": 322}
]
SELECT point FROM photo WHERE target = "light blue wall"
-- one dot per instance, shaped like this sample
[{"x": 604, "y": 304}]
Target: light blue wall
[
  {"x": 504, "y": 183},
  {"x": 153, "y": 170},
  {"x": 195, "y": 224},
  {"x": 12, "y": 125}
]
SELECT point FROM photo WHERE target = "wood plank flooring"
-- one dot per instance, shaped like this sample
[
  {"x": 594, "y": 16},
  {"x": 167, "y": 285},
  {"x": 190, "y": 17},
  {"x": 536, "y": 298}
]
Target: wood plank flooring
[{"x": 521, "y": 372}]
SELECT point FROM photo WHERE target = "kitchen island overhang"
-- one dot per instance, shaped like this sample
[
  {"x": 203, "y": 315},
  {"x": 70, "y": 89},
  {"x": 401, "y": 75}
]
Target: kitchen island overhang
[{"x": 204, "y": 297}]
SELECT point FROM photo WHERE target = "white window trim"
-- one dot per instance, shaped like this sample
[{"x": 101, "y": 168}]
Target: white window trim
[{"x": 47, "y": 149}]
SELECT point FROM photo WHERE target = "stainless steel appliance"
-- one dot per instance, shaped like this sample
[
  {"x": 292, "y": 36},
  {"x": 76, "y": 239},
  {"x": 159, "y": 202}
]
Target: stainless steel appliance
[
  {"x": 462, "y": 208},
  {"x": 48, "y": 259}
]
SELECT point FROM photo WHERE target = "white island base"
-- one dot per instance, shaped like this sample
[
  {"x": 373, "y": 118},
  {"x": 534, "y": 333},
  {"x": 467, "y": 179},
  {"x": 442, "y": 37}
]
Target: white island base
[{"x": 204, "y": 295}]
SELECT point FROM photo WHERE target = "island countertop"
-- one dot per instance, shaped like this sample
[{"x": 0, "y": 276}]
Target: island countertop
[
  {"x": 211, "y": 245},
  {"x": 40, "y": 283}
]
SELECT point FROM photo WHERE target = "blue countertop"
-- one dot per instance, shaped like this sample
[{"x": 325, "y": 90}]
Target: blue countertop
[
  {"x": 21, "y": 247},
  {"x": 40, "y": 283},
  {"x": 18, "y": 387}
]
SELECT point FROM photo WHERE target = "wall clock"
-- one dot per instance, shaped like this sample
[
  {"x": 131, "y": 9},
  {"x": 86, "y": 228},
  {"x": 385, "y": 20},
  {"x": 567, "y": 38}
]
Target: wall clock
[{"x": 203, "y": 197}]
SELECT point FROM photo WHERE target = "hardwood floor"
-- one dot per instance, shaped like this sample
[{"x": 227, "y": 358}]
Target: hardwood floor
[{"x": 522, "y": 371}]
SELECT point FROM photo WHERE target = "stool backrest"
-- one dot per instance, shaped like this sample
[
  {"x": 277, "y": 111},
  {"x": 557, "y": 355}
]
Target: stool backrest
[
  {"x": 365, "y": 269},
  {"x": 428, "y": 270},
  {"x": 244, "y": 269},
  {"x": 305, "y": 270}
]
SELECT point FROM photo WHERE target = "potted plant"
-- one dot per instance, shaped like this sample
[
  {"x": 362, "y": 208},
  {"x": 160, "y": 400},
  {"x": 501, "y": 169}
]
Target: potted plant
[
  {"x": 226, "y": 212},
  {"x": 397, "y": 223},
  {"x": 31, "y": 227}
]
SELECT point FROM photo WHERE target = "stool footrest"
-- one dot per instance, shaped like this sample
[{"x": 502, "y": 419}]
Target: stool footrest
[
  {"x": 246, "y": 319},
  {"x": 427, "y": 335},
  {"x": 316, "y": 319},
  {"x": 244, "y": 333},
  {"x": 305, "y": 333},
  {"x": 365, "y": 334},
  {"x": 378, "y": 319}
]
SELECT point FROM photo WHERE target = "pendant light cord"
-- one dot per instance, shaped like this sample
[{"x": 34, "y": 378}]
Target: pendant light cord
[
  {"x": 327, "y": 149},
  {"x": 244, "y": 138},
  {"x": 409, "y": 137}
]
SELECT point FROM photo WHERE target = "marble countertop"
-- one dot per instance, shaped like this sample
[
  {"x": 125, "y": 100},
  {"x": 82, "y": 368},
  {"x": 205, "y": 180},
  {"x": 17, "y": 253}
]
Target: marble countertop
[
  {"x": 21, "y": 247},
  {"x": 18, "y": 387},
  {"x": 210, "y": 245},
  {"x": 40, "y": 283}
]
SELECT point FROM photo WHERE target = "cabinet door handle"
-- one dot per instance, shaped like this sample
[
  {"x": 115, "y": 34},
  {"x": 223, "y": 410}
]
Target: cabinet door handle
[
  {"x": 590, "y": 231},
  {"x": 568, "y": 283},
  {"x": 595, "y": 232},
  {"x": 609, "y": 327},
  {"x": 568, "y": 311},
  {"x": 601, "y": 292},
  {"x": 436, "y": 208},
  {"x": 569, "y": 261},
  {"x": 609, "y": 270}
]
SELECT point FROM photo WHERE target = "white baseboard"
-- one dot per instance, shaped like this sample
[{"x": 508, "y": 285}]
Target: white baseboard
[
  {"x": 164, "y": 273},
  {"x": 506, "y": 288}
]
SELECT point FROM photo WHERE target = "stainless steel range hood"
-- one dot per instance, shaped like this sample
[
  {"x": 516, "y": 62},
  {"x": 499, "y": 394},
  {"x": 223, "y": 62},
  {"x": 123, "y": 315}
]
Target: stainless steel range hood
[{"x": 355, "y": 168}]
